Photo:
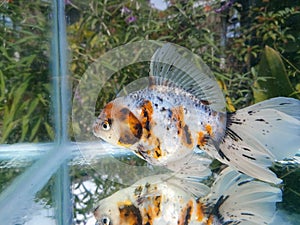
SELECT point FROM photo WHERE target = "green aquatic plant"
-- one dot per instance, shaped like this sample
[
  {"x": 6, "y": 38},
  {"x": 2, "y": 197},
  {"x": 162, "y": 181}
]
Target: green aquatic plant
[
  {"x": 24, "y": 73},
  {"x": 272, "y": 78}
]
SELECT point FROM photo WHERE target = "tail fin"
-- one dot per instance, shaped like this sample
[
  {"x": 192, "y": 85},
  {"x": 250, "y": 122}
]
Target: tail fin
[
  {"x": 237, "y": 199},
  {"x": 259, "y": 134}
]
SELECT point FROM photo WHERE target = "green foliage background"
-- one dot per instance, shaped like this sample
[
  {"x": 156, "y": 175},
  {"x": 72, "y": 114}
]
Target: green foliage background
[
  {"x": 269, "y": 37},
  {"x": 24, "y": 73}
]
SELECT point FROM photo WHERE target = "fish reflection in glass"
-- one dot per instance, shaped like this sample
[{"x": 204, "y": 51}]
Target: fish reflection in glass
[
  {"x": 182, "y": 108},
  {"x": 234, "y": 198}
]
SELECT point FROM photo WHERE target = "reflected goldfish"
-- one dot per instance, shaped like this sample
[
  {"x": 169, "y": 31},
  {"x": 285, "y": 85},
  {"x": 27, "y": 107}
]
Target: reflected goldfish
[
  {"x": 166, "y": 200},
  {"x": 182, "y": 108}
]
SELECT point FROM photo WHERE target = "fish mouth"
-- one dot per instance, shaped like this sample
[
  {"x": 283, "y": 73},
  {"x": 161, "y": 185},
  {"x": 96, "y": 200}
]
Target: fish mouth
[{"x": 96, "y": 128}]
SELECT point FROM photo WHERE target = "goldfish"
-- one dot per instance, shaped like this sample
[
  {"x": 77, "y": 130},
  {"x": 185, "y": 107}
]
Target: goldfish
[
  {"x": 164, "y": 199},
  {"x": 182, "y": 109}
]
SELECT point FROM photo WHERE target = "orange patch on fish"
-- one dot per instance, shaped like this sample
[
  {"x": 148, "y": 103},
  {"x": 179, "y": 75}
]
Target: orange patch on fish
[
  {"x": 129, "y": 214},
  {"x": 146, "y": 120},
  {"x": 147, "y": 125},
  {"x": 135, "y": 126},
  {"x": 199, "y": 211},
  {"x": 131, "y": 132},
  {"x": 182, "y": 129},
  {"x": 146, "y": 114},
  {"x": 208, "y": 128},
  {"x": 152, "y": 211},
  {"x": 201, "y": 139},
  {"x": 108, "y": 110},
  {"x": 186, "y": 214},
  {"x": 178, "y": 117},
  {"x": 157, "y": 152},
  {"x": 210, "y": 220}
]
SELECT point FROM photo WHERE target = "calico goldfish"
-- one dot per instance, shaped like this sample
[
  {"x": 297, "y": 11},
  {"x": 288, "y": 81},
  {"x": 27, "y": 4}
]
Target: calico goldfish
[
  {"x": 182, "y": 109},
  {"x": 234, "y": 198}
]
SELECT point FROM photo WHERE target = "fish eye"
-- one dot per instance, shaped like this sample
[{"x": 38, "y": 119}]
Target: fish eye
[
  {"x": 105, "y": 221},
  {"x": 105, "y": 125}
]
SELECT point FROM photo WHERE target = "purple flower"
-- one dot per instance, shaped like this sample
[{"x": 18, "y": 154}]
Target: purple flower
[
  {"x": 130, "y": 19},
  {"x": 224, "y": 6},
  {"x": 67, "y": 2},
  {"x": 125, "y": 10}
]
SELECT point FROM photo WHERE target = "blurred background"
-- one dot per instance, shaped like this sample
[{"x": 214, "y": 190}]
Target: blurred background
[{"x": 251, "y": 46}]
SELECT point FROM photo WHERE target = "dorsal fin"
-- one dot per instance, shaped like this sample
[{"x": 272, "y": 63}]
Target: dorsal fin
[
  {"x": 188, "y": 72},
  {"x": 136, "y": 85}
]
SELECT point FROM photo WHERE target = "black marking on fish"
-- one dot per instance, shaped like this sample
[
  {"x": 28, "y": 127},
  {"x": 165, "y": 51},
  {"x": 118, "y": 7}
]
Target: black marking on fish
[
  {"x": 260, "y": 120},
  {"x": 251, "y": 112},
  {"x": 97, "y": 207},
  {"x": 223, "y": 155},
  {"x": 285, "y": 103},
  {"x": 246, "y": 149},
  {"x": 236, "y": 122},
  {"x": 243, "y": 182},
  {"x": 158, "y": 153},
  {"x": 139, "y": 130},
  {"x": 147, "y": 127},
  {"x": 127, "y": 138},
  {"x": 187, "y": 134},
  {"x": 188, "y": 215},
  {"x": 204, "y": 102},
  {"x": 233, "y": 135},
  {"x": 232, "y": 120},
  {"x": 147, "y": 110},
  {"x": 215, "y": 211},
  {"x": 230, "y": 223},
  {"x": 170, "y": 113},
  {"x": 124, "y": 113},
  {"x": 158, "y": 201},
  {"x": 249, "y": 157},
  {"x": 247, "y": 214},
  {"x": 237, "y": 179},
  {"x": 163, "y": 109},
  {"x": 171, "y": 68},
  {"x": 159, "y": 98},
  {"x": 138, "y": 190},
  {"x": 110, "y": 121}
]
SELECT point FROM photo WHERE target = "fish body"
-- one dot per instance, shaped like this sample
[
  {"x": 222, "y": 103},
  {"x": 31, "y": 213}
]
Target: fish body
[
  {"x": 182, "y": 108},
  {"x": 149, "y": 202},
  {"x": 165, "y": 200},
  {"x": 156, "y": 125}
]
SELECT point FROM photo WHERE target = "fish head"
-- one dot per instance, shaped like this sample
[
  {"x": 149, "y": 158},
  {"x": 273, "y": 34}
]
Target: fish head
[
  {"x": 106, "y": 126},
  {"x": 118, "y": 125},
  {"x": 114, "y": 210},
  {"x": 106, "y": 214}
]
